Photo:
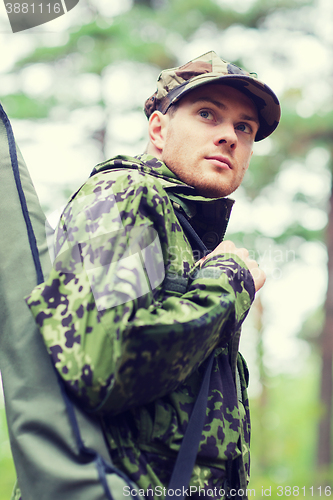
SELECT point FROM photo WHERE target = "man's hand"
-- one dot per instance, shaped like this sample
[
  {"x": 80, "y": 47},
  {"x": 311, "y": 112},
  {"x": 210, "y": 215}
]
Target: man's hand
[{"x": 228, "y": 247}]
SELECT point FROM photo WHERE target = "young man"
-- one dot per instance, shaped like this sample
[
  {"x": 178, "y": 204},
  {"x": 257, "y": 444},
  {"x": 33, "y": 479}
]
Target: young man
[{"x": 134, "y": 305}]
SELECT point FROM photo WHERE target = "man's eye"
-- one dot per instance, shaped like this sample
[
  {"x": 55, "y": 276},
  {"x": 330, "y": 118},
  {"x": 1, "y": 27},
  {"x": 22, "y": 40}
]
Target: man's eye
[
  {"x": 206, "y": 114},
  {"x": 244, "y": 127}
]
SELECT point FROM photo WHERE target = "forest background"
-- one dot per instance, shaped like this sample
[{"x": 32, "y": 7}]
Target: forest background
[{"x": 74, "y": 90}]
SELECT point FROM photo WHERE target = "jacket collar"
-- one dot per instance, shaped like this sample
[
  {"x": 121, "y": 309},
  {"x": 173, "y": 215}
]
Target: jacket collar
[{"x": 209, "y": 217}]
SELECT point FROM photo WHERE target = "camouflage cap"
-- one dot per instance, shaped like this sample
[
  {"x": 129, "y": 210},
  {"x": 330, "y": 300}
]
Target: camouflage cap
[{"x": 174, "y": 83}]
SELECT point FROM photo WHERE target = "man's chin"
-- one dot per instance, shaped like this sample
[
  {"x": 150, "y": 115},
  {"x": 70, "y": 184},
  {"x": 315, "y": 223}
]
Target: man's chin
[{"x": 214, "y": 191}]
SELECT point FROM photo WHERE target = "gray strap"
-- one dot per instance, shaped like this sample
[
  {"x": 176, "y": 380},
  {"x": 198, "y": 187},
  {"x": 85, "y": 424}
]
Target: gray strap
[
  {"x": 238, "y": 386},
  {"x": 173, "y": 283}
]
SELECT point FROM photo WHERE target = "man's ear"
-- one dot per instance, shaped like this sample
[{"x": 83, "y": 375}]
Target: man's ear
[{"x": 157, "y": 128}]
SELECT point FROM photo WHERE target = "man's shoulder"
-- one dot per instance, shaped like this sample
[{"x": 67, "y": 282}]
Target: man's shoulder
[
  {"x": 118, "y": 189},
  {"x": 119, "y": 162},
  {"x": 120, "y": 181},
  {"x": 124, "y": 172}
]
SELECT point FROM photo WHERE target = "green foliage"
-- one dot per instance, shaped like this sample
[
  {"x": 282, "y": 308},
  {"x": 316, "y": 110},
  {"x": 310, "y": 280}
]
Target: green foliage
[
  {"x": 261, "y": 173},
  {"x": 22, "y": 106},
  {"x": 313, "y": 327},
  {"x": 142, "y": 33},
  {"x": 284, "y": 432},
  {"x": 96, "y": 47},
  {"x": 297, "y": 135}
]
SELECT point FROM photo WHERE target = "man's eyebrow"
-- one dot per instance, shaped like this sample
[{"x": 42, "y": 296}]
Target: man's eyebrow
[
  {"x": 220, "y": 105},
  {"x": 250, "y": 118}
]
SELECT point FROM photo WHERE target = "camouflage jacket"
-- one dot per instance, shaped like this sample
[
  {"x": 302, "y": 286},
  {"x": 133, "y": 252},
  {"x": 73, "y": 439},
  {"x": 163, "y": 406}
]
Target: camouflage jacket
[{"x": 129, "y": 318}]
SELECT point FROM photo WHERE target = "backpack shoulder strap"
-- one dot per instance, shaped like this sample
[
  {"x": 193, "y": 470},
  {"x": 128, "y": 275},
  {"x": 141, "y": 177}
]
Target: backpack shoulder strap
[{"x": 185, "y": 461}]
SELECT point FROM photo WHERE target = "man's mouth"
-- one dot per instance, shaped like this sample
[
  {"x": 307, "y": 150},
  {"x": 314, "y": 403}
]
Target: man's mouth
[{"x": 220, "y": 161}]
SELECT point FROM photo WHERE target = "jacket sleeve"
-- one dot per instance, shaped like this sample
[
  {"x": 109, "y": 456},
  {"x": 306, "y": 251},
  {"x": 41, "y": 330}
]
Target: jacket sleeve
[{"x": 116, "y": 336}]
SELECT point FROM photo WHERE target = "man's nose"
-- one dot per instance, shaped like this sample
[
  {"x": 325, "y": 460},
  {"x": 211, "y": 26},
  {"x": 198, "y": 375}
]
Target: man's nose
[{"x": 226, "y": 135}]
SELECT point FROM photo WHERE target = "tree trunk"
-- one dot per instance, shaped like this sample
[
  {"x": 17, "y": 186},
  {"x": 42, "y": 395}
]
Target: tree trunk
[
  {"x": 324, "y": 456},
  {"x": 147, "y": 3}
]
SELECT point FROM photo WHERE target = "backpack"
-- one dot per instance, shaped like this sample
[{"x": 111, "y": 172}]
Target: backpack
[{"x": 59, "y": 451}]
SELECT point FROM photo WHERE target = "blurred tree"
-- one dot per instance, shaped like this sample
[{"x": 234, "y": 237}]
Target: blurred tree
[
  {"x": 326, "y": 388},
  {"x": 305, "y": 136}
]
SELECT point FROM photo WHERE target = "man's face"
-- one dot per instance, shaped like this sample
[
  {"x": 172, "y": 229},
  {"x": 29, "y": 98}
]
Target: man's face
[{"x": 208, "y": 140}]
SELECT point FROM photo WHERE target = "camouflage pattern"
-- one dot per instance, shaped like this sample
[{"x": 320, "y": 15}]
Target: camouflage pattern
[
  {"x": 129, "y": 318},
  {"x": 174, "y": 83}
]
